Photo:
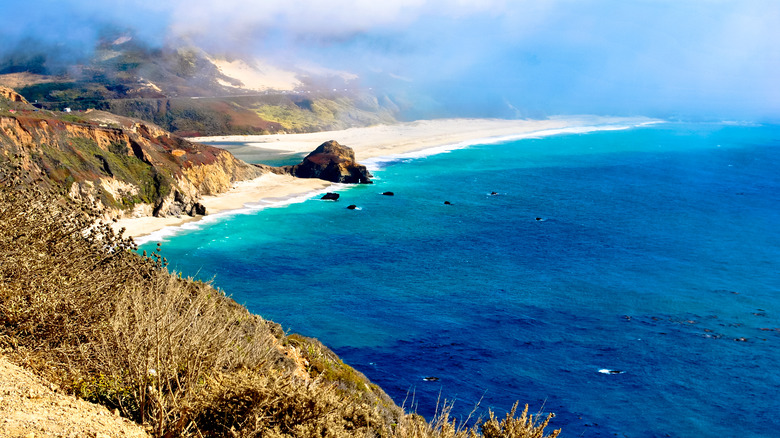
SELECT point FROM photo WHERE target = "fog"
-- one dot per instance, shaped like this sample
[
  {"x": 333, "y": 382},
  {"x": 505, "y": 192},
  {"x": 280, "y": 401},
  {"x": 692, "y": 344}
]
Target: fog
[{"x": 686, "y": 59}]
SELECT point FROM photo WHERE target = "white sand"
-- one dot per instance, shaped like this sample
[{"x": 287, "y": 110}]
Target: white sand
[{"x": 370, "y": 142}]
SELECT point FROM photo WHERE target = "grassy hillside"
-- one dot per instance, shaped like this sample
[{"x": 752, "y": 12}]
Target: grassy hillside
[
  {"x": 80, "y": 307},
  {"x": 182, "y": 90},
  {"x": 266, "y": 113}
]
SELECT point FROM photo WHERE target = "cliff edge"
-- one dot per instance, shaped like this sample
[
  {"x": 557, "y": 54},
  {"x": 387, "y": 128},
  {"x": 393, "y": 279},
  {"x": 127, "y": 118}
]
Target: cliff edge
[{"x": 126, "y": 167}]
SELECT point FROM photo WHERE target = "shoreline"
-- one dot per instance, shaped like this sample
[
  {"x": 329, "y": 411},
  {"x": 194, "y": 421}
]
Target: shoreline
[{"x": 372, "y": 145}]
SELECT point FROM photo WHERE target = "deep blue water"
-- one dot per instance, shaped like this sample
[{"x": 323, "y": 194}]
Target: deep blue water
[{"x": 657, "y": 252}]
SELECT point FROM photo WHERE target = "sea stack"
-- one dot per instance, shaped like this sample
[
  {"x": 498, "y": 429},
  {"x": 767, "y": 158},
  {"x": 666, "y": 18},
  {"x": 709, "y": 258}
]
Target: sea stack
[{"x": 332, "y": 162}]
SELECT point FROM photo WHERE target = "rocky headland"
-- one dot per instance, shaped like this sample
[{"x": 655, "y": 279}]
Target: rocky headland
[{"x": 125, "y": 167}]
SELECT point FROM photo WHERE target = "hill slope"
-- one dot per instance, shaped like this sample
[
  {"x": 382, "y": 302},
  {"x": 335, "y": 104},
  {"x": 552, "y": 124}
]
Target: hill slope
[
  {"x": 29, "y": 405},
  {"x": 189, "y": 92},
  {"x": 125, "y": 166}
]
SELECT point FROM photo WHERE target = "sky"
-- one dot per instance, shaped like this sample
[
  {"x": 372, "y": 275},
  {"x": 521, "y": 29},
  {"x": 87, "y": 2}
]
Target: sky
[{"x": 681, "y": 58}]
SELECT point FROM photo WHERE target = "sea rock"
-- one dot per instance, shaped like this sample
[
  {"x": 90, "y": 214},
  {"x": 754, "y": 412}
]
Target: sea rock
[
  {"x": 332, "y": 162},
  {"x": 330, "y": 196},
  {"x": 388, "y": 194},
  {"x": 352, "y": 207},
  {"x": 199, "y": 209}
]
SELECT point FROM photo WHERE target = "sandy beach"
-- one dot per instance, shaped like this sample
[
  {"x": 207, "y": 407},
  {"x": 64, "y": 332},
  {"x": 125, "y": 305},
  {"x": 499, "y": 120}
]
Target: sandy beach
[{"x": 368, "y": 143}]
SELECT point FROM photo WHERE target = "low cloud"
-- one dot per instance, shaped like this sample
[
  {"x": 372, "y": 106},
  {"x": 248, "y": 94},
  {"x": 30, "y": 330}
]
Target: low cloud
[{"x": 716, "y": 58}]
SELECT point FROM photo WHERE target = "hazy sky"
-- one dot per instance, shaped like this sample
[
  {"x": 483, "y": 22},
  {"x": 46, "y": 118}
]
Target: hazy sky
[{"x": 714, "y": 58}]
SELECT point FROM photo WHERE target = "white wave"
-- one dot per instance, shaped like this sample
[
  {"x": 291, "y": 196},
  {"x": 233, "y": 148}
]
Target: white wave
[
  {"x": 249, "y": 208},
  {"x": 378, "y": 163}
]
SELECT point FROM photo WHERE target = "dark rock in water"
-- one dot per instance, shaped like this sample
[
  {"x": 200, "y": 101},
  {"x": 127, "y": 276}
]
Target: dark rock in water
[
  {"x": 447, "y": 203},
  {"x": 388, "y": 194},
  {"x": 431, "y": 379},
  {"x": 332, "y": 162},
  {"x": 331, "y": 196},
  {"x": 493, "y": 193},
  {"x": 540, "y": 219},
  {"x": 352, "y": 207}
]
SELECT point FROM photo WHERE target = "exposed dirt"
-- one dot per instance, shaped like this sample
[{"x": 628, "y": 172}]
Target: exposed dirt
[{"x": 30, "y": 408}]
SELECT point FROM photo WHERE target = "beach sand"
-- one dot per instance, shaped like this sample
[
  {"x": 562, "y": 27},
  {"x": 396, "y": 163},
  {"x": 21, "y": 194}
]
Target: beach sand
[{"x": 368, "y": 142}]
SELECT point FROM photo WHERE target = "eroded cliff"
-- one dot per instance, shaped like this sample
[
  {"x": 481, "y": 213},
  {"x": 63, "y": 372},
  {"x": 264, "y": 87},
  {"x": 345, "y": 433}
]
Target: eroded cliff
[{"x": 125, "y": 166}]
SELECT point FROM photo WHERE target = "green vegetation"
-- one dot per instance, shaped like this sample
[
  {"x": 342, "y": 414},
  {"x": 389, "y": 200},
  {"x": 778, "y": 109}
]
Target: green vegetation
[
  {"x": 323, "y": 113},
  {"x": 82, "y": 159},
  {"x": 82, "y": 308},
  {"x": 262, "y": 114}
]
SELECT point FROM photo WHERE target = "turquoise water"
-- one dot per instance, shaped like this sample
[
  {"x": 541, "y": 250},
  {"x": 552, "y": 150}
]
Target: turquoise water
[{"x": 652, "y": 252}]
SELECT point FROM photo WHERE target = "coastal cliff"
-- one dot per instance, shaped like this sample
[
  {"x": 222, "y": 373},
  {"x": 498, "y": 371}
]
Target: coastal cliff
[{"x": 126, "y": 167}]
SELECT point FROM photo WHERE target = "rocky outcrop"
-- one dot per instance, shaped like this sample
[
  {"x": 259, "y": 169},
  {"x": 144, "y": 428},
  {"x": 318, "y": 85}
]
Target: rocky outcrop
[
  {"x": 332, "y": 162},
  {"x": 11, "y": 95},
  {"x": 125, "y": 167}
]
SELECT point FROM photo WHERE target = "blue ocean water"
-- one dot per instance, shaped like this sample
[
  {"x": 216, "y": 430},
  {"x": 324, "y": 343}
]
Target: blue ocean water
[{"x": 628, "y": 281}]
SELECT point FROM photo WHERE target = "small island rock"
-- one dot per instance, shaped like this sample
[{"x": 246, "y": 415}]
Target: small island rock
[{"x": 332, "y": 162}]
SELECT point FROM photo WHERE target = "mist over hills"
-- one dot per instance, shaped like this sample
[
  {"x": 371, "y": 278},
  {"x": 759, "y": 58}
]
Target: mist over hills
[
  {"x": 190, "y": 92},
  {"x": 434, "y": 58}
]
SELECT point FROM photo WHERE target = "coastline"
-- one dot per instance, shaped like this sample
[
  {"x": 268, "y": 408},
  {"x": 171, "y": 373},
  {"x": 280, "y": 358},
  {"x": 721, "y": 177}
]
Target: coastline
[{"x": 372, "y": 145}]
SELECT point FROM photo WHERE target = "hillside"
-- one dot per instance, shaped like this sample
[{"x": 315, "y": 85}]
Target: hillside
[
  {"x": 189, "y": 92},
  {"x": 125, "y": 166}
]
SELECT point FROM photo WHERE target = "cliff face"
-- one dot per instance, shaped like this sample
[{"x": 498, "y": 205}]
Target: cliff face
[
  {"x": 127, "y": 167},
  {"x": 13, "y": 96}
]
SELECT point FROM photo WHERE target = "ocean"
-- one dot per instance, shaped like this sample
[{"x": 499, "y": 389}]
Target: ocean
[{"x": 626, "y": 280}]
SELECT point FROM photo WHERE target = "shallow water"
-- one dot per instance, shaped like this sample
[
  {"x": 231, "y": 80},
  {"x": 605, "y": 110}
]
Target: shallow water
[
  {"x": 258, "y": 155},
  {"x": 651, "y": 251}
]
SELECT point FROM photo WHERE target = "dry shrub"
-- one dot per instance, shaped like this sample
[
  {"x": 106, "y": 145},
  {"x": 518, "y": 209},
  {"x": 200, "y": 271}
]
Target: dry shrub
[
  {"x": 443, "y": 426},
  {"x": 440, "y": 426},
  {"x": 525, "y": 426},
  {"x": 250, "y": 404},
  {"x": 167, "y": 337}
]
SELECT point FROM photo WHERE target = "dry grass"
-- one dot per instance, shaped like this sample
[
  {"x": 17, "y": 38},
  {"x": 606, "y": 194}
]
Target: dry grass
[{"x": 80, "y": 307}]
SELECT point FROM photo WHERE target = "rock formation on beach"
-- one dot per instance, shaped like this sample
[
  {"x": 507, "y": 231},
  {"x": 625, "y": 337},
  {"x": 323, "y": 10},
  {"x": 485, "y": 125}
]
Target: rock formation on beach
[{"x": 332, "y": 162}]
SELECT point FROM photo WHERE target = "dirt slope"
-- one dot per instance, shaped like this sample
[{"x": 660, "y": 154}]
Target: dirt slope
[{"x": 30, "y": 408}]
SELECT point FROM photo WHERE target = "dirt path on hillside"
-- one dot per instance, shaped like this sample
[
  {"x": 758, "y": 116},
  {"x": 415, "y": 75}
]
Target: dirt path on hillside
[{"x": 29, "y": 408}]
